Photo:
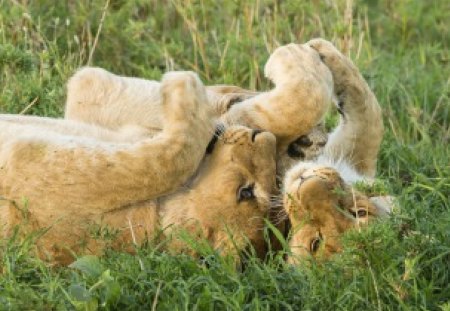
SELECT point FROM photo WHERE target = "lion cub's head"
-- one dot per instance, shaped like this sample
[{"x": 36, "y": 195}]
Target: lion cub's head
[
  {"x": 231, "y": 195},
  {"x": 321, "y": 205}
]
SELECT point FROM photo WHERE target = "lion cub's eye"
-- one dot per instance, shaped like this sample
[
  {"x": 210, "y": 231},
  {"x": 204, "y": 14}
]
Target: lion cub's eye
[
  {"x": 360, "y": 213},
  {"x": 246, "y": 193},
  {"x": 315, "y": 243}
]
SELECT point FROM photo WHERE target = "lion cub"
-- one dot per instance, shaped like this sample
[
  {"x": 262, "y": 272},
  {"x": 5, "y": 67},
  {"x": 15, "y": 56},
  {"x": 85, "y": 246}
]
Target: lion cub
[
  {"x": 66, "y": 178},
  {"x": 319, "y": 198}
]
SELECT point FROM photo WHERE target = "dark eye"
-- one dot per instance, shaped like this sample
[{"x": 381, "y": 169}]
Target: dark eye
[
  {"x": 246, "y": 193},
  {"x": 360, "y": 213},
  {"x": 315, "y": 244}
]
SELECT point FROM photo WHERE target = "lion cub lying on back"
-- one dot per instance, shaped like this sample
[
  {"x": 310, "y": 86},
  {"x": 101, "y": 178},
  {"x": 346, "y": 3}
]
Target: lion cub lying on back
[
  {"x": 319, "y": 197},
  {"x": 64, "y": 177}
]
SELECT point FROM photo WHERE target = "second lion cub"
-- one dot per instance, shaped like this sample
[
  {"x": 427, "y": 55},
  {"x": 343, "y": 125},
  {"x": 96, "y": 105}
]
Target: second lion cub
[{"x": 64, "y": 178}]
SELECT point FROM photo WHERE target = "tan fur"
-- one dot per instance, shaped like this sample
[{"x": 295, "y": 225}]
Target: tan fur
[
  {"x": 358, "y": 136},
  {"x": 319, "y": 199},
  {"x": 292, "y": 109},
  {"x": 302, "y": 94},
  {"x": 321, "y": 207},
  {"x": 305, "y": 148},
  {"x": 318, "y": 196},
  {"x": 64, "y": 177},
  {"x": 99, "y": 97}
]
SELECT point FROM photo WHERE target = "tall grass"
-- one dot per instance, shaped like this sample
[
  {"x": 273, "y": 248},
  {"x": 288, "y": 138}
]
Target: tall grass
[{"x": 400, "y": 46}]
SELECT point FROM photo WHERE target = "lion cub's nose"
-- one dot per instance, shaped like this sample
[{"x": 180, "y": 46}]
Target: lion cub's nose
[{"x": 328, "y": 174}]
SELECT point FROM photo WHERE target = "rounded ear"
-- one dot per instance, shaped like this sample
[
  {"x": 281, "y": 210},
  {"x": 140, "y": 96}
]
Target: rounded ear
[{"x": 384, "y": 204}]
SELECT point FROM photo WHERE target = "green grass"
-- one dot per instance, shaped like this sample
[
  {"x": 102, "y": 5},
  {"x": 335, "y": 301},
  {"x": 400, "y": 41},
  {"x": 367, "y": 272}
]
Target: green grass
[{"x": 400, "y": 46}]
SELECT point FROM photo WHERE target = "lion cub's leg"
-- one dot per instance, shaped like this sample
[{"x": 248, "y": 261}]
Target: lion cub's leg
[
  {"x": 166, "y": 161},
  {"x": 99, "y": 97},
  {"x": 358, "y": 137},
  {"x": 302, "y": 94},
  {"x": 106, "y": 175}
]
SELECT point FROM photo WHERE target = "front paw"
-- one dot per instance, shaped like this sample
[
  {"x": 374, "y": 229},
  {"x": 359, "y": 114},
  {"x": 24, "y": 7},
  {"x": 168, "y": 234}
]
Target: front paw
[
  {"x": 308, "y": 147},
  {"x": 352, "y": 91},
  {"x": 184, "y": 97},
  {"x": 340, "y": 66},
  {"x": 289, "y": 62}
]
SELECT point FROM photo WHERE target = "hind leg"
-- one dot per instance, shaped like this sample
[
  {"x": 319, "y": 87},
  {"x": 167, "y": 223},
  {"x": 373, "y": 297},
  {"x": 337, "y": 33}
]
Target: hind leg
[
  {"x": 99, "y": 97},
  {"x": 358, "y": 137}
]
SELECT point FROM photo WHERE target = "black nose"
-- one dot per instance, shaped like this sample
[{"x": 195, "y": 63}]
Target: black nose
[{"x": 256, "y": 132}]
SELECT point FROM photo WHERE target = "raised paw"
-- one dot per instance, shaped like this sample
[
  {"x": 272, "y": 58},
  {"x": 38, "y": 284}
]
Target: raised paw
[
  {"x": 308, "y": 147},
  {"x": 340, "y": 66},
  {"x": 305, "y": 148},
  {"x": 184, "y": 98},
  {"x": 358, "y": 136},
  {"x": 350, "y": 87},
  {"x": 88, "y": 78},
  {"x": 289, "y": 62}
]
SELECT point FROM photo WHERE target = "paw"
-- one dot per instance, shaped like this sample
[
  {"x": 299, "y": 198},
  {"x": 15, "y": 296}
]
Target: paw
[
  {"x": 328, "y": 174},
  {"x": 179, "y": 84},
  {"x": 340, "y": 66},
  {"x": 308, "y": 147},
  {"x": 323, "y": 47},
  {"x": 87, "y": 78},
  {"x": 304, "y": 171},
  {"x": 184, "y": 96},
  {"x": 88, "y": 86},
  {"x": 329, "y": 54},
  {"x": 290, "y": 61},
  {"x": 310, "y": 191},
  {"x": 352, "y": 91}
]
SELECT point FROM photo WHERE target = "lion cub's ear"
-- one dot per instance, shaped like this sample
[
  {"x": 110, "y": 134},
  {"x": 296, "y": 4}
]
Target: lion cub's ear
[{"x": 384, "y": 204}]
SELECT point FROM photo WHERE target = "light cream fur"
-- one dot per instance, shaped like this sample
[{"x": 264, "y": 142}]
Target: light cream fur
[
  {"x": 64, "y": 177},
  {"x": 318, "y": 196},
  {"x": 96, "y": 96},
  {"x": 301, "y": 96},
  {"x": 292, "y": 111},
  {"x": 305, "y": 148},
  {"x": 358, "y": 137}
]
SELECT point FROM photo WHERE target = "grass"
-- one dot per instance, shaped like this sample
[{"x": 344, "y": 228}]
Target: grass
[{"x": 400, "y": 46}]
